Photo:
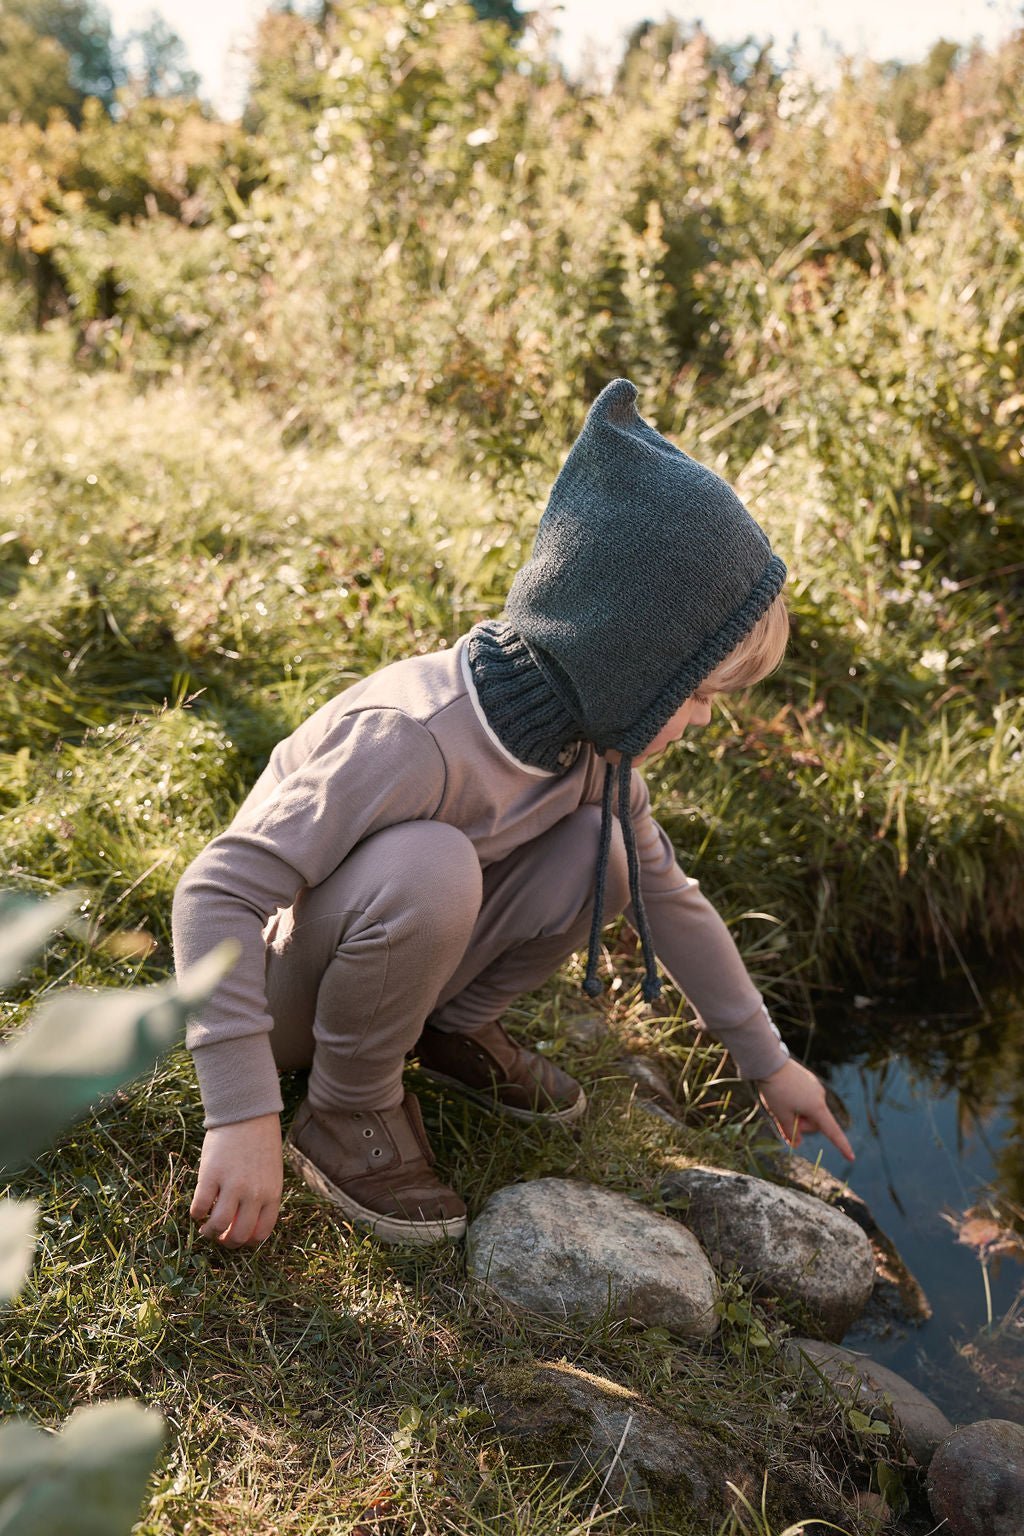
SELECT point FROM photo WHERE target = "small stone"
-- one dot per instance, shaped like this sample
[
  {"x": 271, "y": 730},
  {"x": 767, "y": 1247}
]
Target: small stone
[
  {"x": 562, "y": 1247},
  {"x": 651, "y": 1082},
  {"x": 976, "y": 1480},
  {"x": 874, "y": 1507},
  {"x": 797, "y": 1247},
  {"x": 864, "y": 1384}
]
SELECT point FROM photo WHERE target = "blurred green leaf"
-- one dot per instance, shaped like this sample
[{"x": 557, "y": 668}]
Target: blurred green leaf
[
  {"x": 17, "y": 1244},
  {"x": 88, "y": 1480},
  {"x": 81, "y": 1046},
  {"x": 25, "y": 926}
]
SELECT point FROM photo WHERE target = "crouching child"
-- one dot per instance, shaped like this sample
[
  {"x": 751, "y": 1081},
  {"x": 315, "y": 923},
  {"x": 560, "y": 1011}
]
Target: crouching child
[{"x": 434, "y": 842}]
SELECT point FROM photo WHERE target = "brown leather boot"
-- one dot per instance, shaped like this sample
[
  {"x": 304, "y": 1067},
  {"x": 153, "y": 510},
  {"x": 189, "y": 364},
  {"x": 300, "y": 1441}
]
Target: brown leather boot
[
  {"x": 492, "y": 1069},
  {"x": 376, "y": 1167}
]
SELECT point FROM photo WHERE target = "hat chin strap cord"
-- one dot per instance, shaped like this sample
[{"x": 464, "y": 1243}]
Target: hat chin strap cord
[{"x": 592, "y": 985}]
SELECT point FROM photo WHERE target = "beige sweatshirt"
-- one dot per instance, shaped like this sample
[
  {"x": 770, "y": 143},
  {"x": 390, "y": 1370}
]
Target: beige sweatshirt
[{"x": 410, "y": 742}]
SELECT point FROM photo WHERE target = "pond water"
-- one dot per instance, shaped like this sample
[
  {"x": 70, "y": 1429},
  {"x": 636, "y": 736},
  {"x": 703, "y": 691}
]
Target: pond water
[{"x": 936, "y": 1103}]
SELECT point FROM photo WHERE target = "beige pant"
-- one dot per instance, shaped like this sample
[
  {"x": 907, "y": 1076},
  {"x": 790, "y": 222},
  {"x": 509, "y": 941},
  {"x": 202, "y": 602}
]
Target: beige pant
[{"x": 408, "y": 927}]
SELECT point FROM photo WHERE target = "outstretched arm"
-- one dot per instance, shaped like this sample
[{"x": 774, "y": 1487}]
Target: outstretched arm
[{"x": 695, "y": 946}]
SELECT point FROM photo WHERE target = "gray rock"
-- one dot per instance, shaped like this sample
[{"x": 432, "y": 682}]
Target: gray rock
[
  {"x": 898, "y": 1300},
  {"x": 796, "y": 1246},
  {"x": 865, "y": 1385},
  {"x": 563, "y": 1417},
  {"x": 562, "y": 1247},
  {"x": 976, "y": 1480}
]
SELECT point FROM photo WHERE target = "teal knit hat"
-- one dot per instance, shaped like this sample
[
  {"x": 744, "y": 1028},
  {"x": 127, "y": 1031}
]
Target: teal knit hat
[{"x": 647, "y": 571}]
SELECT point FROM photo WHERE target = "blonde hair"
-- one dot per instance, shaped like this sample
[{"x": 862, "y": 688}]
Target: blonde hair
[{"x": 758, "y": 654}]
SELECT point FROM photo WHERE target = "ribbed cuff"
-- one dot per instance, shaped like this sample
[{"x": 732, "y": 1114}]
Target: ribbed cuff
[
  {"x": 237, "y": 1080},
  {"x": 755, "y": 1046}
]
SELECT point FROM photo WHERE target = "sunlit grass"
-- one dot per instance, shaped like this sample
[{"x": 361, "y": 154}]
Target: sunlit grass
[{"x": 181, "y": 587}]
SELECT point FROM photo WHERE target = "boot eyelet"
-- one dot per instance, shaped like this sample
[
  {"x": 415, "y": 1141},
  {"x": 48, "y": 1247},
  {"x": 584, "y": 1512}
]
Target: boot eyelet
[
  {"x": 368, "y": 1131},
  {"x": 377, "y": 1152}
]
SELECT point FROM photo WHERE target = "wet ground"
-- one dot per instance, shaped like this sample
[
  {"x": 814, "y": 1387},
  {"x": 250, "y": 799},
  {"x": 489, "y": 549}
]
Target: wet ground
[{"x": 936, "y": 1103}]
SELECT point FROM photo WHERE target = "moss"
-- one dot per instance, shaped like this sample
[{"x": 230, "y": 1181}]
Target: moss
[{"x": 535, "y": 1414}]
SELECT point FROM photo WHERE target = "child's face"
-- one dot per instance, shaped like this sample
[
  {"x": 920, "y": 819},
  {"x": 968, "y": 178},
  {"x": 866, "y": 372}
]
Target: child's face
[{"x": 696, "y": 710}]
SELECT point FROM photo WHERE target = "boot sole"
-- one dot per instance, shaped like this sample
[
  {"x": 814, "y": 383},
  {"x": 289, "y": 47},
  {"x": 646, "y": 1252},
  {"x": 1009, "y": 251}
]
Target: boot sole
[
  {"x": 489, "y": 1101},
  {"x": 390, "y": 1229}
]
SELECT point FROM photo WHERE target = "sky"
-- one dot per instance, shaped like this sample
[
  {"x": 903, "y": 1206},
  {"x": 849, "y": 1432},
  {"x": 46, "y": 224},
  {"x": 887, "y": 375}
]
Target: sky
[{"x": 215, "y": 30}]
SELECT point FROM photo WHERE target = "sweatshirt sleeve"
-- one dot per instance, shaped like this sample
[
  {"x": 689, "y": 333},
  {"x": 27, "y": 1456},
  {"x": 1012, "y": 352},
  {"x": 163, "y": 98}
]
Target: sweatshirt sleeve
[
  {"x": 374, "y": 768},
  {"x": 698, "y": 951}
]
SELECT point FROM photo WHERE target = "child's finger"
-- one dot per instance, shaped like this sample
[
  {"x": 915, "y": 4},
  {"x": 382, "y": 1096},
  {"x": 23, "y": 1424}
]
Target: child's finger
[
  {"x": 788, "y": 1130},
  {"x": 203, "y": 1200},
  {"x": 221, "y": 1217},
  {"x": 242, "y": 1224},
  {"x": 829, "y": 1126},
  {"x": 265, "y": 1225}
]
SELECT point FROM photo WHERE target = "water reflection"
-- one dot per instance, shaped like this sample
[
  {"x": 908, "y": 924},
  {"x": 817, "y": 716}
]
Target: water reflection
[{"x": 936, "y": 1100}]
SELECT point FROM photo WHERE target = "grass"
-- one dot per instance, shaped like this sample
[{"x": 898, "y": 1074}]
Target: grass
[
  {"x": 182, "y": 586},
  {"x": 305, "y": 1382}
]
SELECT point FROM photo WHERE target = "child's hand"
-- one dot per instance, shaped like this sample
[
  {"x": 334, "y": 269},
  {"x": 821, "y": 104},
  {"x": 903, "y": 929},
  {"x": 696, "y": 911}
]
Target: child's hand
[
  {"x": 241, "y": 1175},
  {"x": 795, "y": 1099}
]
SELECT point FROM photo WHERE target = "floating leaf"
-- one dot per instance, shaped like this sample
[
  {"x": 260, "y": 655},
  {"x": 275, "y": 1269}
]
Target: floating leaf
[{"x": 983, "y": 1228}]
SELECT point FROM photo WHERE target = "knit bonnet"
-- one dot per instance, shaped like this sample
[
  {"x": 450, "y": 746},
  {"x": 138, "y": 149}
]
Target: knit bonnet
[{"x": 647, "y": 571}]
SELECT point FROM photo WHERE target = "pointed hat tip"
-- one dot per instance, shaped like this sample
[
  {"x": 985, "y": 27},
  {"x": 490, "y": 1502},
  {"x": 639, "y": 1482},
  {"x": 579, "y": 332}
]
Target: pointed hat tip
[{"x": 617, "y": 401}]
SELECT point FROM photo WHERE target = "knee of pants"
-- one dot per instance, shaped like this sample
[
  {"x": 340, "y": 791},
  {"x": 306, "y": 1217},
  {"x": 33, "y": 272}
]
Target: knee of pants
[
  {"x": 587, "y": 829},
  {"x": 429, "y": 881}
]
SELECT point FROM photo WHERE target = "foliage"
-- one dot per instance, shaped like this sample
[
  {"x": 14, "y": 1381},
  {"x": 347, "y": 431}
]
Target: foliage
[
  {"x": 34, "y": 72},
  {"x": 78, "y": 34},
  {"x": 156, "y": 61},
  {"x": 87, "y": 1481}
]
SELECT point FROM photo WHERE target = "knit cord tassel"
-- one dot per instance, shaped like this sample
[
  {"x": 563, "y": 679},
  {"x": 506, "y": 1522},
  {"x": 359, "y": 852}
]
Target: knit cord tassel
[
  {"x": 591, "y": 985},
  {"x": 651, "y": 984}
]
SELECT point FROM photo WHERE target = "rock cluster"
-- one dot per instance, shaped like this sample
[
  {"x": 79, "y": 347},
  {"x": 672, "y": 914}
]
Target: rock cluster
[
  {"x": 564, "y": 1248},
  {"x": 568, "y": 1249}
]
